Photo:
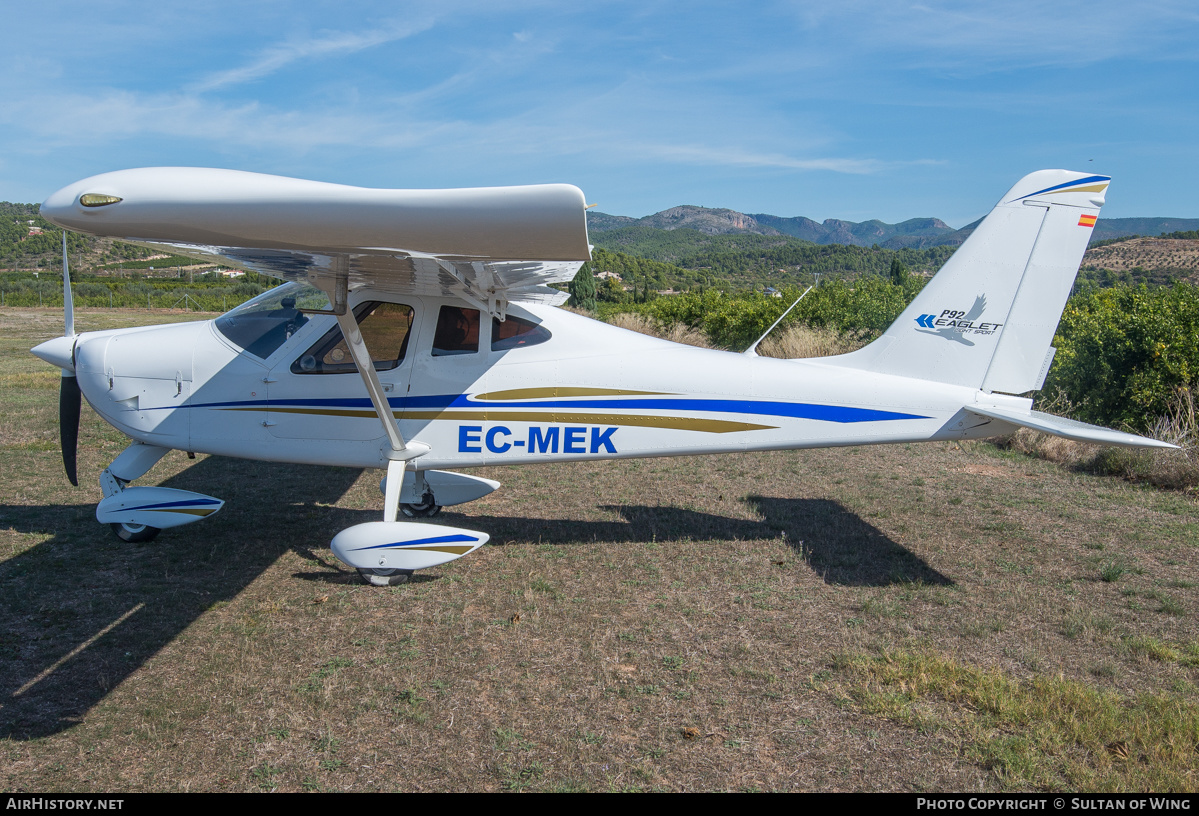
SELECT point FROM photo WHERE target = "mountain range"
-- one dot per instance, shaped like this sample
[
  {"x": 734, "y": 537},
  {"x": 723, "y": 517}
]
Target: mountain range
[{"x": 915, "y": 233}]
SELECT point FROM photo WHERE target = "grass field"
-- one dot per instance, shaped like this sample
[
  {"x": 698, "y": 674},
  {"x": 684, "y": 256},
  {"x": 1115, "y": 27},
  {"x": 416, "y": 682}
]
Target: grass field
[{"x": 908, "y": 618}]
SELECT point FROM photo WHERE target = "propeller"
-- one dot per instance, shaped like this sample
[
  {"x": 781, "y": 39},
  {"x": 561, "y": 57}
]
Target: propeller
[
  {"x": 69, "y": 398},
  {"x": 69, "y": 404}
]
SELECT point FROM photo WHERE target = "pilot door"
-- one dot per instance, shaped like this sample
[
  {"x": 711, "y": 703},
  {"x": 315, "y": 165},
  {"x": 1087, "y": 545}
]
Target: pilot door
[{"x": 317, "y": 393}]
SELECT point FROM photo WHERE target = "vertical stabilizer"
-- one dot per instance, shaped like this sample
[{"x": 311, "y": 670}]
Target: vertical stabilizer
[{"x": 986, "y": 319}]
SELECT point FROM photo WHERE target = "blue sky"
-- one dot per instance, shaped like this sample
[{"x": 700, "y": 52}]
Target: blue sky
[{"x": 862, "y": 110}]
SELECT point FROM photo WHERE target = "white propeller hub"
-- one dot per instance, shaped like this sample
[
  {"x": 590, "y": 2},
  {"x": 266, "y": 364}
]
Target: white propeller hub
[{"x": 58, "y": 352}]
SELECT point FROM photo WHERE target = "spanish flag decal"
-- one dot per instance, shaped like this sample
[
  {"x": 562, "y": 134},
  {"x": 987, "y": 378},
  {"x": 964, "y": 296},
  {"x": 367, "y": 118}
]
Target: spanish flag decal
[{"x": 1087, "y": 221}]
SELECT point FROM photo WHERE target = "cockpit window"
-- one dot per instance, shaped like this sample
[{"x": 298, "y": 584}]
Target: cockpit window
[
  {"x": 263, "y": 324},
  {"x": 385, "y": 329},
  {"x": 457, "y": 331},
  {"x": 516, "y": 332}
]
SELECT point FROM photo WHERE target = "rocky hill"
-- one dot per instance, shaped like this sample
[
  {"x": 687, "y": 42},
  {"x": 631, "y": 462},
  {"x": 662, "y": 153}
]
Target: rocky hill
[{"x": 915, "y": 233}]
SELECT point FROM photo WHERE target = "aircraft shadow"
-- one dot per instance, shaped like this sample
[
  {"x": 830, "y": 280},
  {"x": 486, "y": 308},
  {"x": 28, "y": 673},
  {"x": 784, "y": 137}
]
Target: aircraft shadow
[
  {"x": 835, "y": 542},
  {"x": 82, "y": 610}
]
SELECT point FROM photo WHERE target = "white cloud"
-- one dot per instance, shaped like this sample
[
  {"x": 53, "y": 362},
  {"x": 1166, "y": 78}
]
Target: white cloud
[
  {"x": 738, "y": 157},
  {"x": 73, "y": 121},
  {"x": 279, "y": 56}
]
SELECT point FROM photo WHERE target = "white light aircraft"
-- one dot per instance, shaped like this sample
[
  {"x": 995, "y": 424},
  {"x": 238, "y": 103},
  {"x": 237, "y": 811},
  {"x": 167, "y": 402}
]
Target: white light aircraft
[{"x": 416, "y": 332}]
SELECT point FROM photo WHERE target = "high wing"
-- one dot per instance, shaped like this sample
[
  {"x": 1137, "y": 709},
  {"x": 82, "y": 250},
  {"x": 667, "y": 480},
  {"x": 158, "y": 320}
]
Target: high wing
[{"x": 487, "y": 246}]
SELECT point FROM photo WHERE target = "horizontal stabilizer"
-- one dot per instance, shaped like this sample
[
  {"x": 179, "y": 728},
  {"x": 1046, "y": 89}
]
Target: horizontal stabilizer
[{"x": 1068, "y": 428}]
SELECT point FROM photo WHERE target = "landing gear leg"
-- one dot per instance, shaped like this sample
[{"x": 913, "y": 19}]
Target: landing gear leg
[
  {"x": 395, "y": 481},
  {"x": 391, "y": 504},
  {"x": 133, "y": 462}
]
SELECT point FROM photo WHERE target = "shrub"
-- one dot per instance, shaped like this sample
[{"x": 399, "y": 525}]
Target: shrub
[{"x": 1124, "y": 353}]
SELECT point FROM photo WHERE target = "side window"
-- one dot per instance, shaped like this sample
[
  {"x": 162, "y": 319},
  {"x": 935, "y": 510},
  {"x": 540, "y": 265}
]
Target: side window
[
  {"x": 457, "y": 331},
  {"x": 516, "y": 333},
  {"x": 385, "y": 329}
]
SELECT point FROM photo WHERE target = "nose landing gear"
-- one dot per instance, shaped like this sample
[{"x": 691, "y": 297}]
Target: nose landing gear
[{"x": 138, "y": 514}]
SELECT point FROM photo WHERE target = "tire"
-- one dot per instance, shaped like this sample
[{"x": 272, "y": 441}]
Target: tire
[
  {"x": 135, "y": 533},
  {"x": 385, "y": 577},
  {"x": 426, "y": 509}
]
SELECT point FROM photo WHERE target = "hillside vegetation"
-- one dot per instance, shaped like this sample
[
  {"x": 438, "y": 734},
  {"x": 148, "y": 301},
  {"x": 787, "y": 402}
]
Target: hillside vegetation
[
  {"x": 915, "y": 233},
  {"x": 684, "y": 260},
  {"x": 29, "y": 242},
  {"x": 1137, "y": 259}
]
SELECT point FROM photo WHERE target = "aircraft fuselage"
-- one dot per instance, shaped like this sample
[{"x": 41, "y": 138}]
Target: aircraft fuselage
[{"x": 588, "y": 391}]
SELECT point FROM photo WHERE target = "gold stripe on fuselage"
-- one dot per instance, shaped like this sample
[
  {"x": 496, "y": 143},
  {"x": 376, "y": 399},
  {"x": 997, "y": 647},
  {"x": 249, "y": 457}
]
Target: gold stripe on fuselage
[
  {"x": 673, "y": 423},
  {"x": 505, "y": 415}
]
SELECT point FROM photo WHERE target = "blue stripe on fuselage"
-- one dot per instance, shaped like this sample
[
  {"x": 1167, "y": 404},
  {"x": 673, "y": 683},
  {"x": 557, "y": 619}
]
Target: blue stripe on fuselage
[{"x": 795, "y": 410}]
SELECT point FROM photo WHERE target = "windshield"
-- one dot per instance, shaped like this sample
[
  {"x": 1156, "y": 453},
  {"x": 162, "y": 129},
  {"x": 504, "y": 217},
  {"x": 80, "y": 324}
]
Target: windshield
[{"x": 263, "y": 324}]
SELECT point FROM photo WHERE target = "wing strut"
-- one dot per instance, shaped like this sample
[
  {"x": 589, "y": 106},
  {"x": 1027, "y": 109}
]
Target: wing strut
[
  {"x": 366, "y": 369},
  {"x": 401, "y": 452}
]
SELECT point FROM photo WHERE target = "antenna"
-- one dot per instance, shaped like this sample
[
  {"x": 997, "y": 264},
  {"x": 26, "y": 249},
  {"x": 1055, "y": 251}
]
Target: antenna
[{"x": 752, "y": 351}]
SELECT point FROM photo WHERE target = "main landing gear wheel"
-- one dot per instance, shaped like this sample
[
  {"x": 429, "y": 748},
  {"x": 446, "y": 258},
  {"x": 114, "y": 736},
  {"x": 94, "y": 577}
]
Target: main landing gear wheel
[
  {"x": 135, "y": 533},
  {"x": 385, "y": 577},
  {"x": 426, "y": 509}
]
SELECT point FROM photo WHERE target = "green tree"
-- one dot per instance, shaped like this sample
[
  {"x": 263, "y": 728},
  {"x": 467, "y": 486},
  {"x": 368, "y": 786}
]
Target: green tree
[
  {"x": 582, "y": 289},
  {"x": 899, "y": 272},
  {"x": 612, "y": 292},
  {"x": 1123, "y": 352}
]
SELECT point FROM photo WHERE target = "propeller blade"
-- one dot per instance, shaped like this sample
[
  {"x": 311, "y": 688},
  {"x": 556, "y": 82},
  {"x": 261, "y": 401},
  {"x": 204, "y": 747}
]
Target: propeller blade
[
  {"x": 69, "y": 399},
  {"x": 69, "y": 403},
  {"x": 68, "y": 303}
]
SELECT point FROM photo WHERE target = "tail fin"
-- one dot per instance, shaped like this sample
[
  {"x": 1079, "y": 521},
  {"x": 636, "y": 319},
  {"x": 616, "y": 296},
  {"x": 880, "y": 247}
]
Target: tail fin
[{"x": 986, "y": 319}]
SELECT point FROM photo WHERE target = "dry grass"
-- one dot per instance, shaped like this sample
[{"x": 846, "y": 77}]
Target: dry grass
[
  {"x": 791, "y": 342},
  {"x": 675, "y": 333},
  {"x": 673, "y": 624},
  {"x": 798, "y": 341}
]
